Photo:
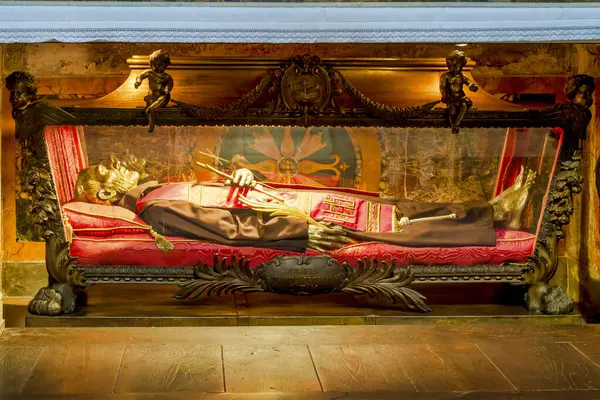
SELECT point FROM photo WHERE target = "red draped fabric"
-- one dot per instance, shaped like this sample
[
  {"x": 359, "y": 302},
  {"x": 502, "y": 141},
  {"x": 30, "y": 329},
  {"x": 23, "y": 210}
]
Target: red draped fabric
[
  {"x": 67, "y": 156},
  {"x": 513, "y": 156}
]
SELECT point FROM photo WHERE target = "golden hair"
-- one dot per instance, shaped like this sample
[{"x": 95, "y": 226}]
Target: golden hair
[
  {"x": 86, "y": 188},
  {"x": 93, "y": 187}
]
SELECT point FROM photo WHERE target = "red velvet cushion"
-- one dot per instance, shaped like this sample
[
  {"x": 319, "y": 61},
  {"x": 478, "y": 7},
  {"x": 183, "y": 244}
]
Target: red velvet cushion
[
  {"x": 141, "y": 250},
  {"x": 511, "y": 246},
  {"x": 97, "y": 220},
  {"x": 110, "y": 235}
]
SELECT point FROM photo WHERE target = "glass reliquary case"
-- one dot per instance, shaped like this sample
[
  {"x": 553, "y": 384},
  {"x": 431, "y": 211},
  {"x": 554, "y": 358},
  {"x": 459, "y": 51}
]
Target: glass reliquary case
[{"x": 298, "y": 176}]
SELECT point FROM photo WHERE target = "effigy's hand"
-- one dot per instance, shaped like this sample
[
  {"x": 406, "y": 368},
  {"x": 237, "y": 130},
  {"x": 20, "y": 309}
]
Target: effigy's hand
[
  {"x": 243, "y": 178},
  {"x": 327, "y": 238}
]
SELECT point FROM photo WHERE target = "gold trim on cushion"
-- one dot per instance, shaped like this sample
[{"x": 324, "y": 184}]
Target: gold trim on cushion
[
  {"x": 195, "y": 194},
  {"x": 86, "y": 239},
  {"x": 516, "y": 239},
  {"x": 304, "y": 202},
  {"x": 395, "y": 221},
  {"x": 354, "y": 245},
  {"x": 68, "y": 229},
  {"x": 367, "y": 243},
  {"x": 373, "y": 215},
  {"x": 138, "y": 227},
  {"x": 105, "y": 216}
]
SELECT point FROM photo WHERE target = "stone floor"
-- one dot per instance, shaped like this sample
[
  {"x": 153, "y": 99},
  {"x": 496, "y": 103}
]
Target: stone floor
[
  {"x": 126, "y": 305},
  {"x": 435, "y": 361}
]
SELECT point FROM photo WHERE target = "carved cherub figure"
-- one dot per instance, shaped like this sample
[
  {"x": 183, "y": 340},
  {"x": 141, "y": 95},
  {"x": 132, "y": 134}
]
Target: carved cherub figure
[
  {"x": 23, "y": 90},
  {"x": 451, "y": 88},
  {"x": 160, "y": 85},
  {"x": 579, "y": 90}
]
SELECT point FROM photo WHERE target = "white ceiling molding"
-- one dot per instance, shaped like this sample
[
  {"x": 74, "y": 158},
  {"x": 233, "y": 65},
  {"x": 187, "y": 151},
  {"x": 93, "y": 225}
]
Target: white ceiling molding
[{"x": 34, "y": 22}]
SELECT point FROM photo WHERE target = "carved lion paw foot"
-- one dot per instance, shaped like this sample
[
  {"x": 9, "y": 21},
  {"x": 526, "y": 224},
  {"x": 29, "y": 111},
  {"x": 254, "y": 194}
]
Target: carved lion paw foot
[
  {"x": 548, "y": 299},
  {"x": 55, "y": 300}
]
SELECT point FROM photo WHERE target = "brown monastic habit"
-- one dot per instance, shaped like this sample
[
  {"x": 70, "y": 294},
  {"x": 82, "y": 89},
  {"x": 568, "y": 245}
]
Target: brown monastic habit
[{"x": 244, "y": 227}]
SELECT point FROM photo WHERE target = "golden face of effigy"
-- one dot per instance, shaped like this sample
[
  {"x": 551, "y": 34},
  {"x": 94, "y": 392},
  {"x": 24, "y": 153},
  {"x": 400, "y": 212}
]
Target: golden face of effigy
[{"x": 105, "y": 185}]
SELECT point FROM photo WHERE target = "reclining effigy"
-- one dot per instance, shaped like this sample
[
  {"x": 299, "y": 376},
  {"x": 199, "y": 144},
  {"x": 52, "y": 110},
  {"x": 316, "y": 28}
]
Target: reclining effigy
[{"x": 114, "y": 222}]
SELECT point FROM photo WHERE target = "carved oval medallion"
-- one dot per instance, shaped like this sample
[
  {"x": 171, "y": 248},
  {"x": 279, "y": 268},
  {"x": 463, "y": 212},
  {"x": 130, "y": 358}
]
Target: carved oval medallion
[
  {"x": 305, "y": 89},
  {"x": 302, "y": 275}
]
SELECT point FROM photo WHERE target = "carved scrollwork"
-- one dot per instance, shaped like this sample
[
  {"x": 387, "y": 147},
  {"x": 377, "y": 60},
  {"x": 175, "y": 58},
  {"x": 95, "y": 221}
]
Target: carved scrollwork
[
  {"x": 33, "y": 168},
  {"x": 574, "y": 117},
  {"x": 222, "y": 278},
  {"x": 559, "y": 207},
  {"x": 36, "y": 181},
  {"x": 542, "y": 265},
  {"x": 61, "y": 266},
  {"x": 380, "y": 280},
  {"x": 568, "y": 181},
  {"x": 302, "y": 275}
]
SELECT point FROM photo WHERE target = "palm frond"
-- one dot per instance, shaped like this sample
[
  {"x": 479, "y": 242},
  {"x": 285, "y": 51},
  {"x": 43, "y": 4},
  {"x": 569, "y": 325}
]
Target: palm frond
[
  {"x": 279, "y": 210},
  {"x": 222, "y": 278},
  {"x": 381, "y": 281}
]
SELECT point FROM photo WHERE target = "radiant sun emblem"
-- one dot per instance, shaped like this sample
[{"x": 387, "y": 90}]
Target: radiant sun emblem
[{"x": 293, "y": 164}]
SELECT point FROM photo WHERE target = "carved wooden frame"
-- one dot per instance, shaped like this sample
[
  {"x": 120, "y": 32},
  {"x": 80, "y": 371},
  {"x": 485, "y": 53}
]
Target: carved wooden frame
[{"x": 382, "y": 280}]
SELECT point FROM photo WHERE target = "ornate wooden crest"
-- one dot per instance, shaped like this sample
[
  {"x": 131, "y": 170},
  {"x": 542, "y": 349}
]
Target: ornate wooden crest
[{"x": 305, "y": 87}]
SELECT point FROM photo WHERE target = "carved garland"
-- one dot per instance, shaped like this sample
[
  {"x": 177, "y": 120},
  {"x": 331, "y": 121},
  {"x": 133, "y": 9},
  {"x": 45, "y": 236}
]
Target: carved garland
[
  {"x": 306, "y": 89},
  {"x": 231, "y": 110},
  {"x": 384, "y": 111}
]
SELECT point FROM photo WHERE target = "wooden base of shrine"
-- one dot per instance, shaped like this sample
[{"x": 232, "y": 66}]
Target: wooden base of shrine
[{"x": 153, "y": 306}]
